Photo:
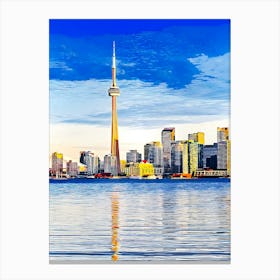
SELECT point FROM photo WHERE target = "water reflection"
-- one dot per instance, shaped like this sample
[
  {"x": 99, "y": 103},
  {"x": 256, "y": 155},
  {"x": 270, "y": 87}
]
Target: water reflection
[
  {"x": 109, "y": 221},
  {"x": 115, "y": 225}
]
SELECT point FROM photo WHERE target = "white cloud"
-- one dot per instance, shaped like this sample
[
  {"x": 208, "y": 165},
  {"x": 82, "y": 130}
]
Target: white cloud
[
  {"x": 81, "y": 110},
  {"x": 60, "y": 65},
  {"x": 139, "y": 102},
  {"x": 214, "y": 77}
]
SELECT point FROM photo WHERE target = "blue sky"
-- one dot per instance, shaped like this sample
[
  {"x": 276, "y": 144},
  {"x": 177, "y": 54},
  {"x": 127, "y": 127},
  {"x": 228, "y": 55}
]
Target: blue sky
[{"x": 170, "y": 73}]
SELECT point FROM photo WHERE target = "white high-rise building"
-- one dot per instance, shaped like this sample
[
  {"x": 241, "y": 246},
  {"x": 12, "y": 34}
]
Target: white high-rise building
[
  {"x": 222, "y": 155},
  {"x": 153, "y": 153},
  {"x": 110, "y": 164},
  {"x": 133, "y": 156},
  {"x": 90, "y": 160}
]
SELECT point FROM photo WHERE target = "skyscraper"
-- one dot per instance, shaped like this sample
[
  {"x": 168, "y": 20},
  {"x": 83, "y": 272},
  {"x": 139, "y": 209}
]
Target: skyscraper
[
  {"x": 114, "y": 91},
  {"x": 72, "y": 168},
  {"x": 228, "y": 157},
  {"x": 57, "y": 164},
  {"x": 167, "y": 136},
  {"x": 177, "y": 156},
  {"x": 195, "y": 159},
  {"x": 185, "y": 157},
  {"x": 210, "y": 153},
  {"x": 222, "y": 134},
  {"x": 223, "y": 159},
  {"x": 222, "y": 155},
  {"x": 193, "y": 156},
  {"x": 110, "y": 164},
  {"x": 153, "y": 153},
  {"x": 90, "y": 160},
  {"x": 133, "y": 156},
  {"x": 197, "y": 137}
]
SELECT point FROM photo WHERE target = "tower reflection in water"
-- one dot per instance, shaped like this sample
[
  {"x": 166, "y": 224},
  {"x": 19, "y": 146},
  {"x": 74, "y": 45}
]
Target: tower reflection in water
[{"x": 115, "y": 226}]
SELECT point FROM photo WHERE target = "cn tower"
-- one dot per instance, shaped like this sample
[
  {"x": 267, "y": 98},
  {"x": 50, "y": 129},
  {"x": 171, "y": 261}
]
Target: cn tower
[{"x": 114, "y": 91}]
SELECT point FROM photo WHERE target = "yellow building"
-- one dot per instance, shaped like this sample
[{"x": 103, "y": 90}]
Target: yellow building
[
  {"x": 193, "y": 156},
  {"x": 197, "y": 137},
  {"x": 146, "y": 169},
  {"x": 58, "y": 155},
  {"x": 82, "y": 168},
  {"x": 185, "y": 157},
  {"x": 222, "y": 134},
  {"x": 142, "y": 169},
  {"x": 122, "y": 165}
]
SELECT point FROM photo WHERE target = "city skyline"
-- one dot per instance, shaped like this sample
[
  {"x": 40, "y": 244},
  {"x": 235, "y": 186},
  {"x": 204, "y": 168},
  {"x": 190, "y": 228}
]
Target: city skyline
[
  {"x": 189, "y": 137},
  {"x": 167, "y": 79}
]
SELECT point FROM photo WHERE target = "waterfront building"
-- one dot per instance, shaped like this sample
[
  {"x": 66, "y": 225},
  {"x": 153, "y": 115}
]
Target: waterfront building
[
  {"x": 222, "y": 155},
  {"x": 211, "y": 173},
  {"x": 101, "y": 166},
  {"x": 57, "y": 164},
  {"x": 200, "y": 156},
  {"x": 224, "y": 148},
  {"x": 222, "y": 134},
  {"x": 72, "y": 168},
  {"x": 228, "y": 157},
  {"x": 110, "y": 164},
  {"x": 197, "y": 137},
  {"x": 91, "y": 161},
  {"x": 129, "y": 169},
  {"x": 167, "y": 136},
  {"x": 177, "y": 156},
  {"x": 114, "y": 91},
  {"x": 195, "y": 156},
  {"x": 210, "y": 153},
  {"x": 158, "y": 171},
  {"x": 139, "y": 169},
  {"x": 98, "y": 165},
  {"x": 82, "y": 169},
  {"x": 133, "y": 156},
  {"x": 123, "y": 165},
  {"x": 185, "y": 157},
  {"x": 153, "y": 153},
  {"x": 146, "y": 169}
]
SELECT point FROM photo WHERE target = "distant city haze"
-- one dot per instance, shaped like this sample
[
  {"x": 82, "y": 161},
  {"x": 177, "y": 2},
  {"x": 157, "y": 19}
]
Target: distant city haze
[
  {"x": 133, "y": 138},
  {"x": 171, "y": 73}
]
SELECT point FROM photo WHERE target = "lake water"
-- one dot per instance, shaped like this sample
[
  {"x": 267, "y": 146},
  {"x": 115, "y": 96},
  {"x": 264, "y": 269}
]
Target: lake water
[{"x": 125, "y": 220}]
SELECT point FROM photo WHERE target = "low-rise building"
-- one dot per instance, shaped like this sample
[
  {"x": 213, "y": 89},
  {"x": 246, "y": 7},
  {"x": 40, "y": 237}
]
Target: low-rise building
[
  {"x": 72, "y": 168},
  {"x": 142, "y": 169}
]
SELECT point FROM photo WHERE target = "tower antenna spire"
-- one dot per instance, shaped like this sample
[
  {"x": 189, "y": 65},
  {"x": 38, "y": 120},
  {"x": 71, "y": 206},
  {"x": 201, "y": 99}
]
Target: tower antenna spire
[{"x": 114, "y": 56}]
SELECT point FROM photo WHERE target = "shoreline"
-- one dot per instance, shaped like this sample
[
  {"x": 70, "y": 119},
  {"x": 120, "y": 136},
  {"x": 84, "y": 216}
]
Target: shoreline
[{"x": 85, "y": 179}]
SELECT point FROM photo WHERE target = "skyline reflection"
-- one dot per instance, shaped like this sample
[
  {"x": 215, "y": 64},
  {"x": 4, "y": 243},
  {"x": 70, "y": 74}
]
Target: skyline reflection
[{"x": 115, "y": 225}]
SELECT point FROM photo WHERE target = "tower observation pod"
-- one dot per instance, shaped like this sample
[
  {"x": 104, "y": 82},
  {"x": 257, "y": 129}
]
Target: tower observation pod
[{"x": 114, "y": 91}]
